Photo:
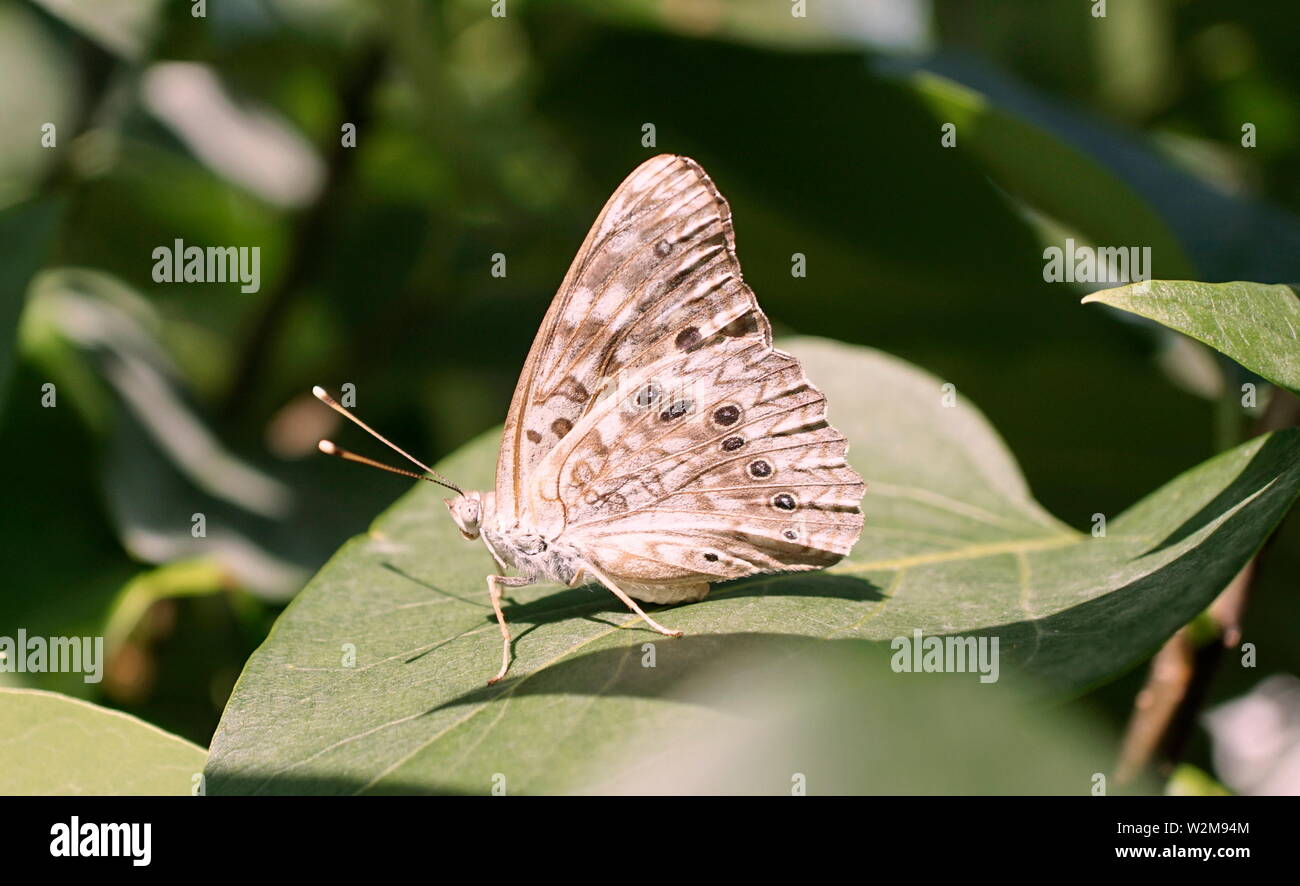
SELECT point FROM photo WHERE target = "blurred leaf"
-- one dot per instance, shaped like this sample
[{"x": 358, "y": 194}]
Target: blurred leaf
[
  {"x": 267, "y": 524},
  {"x": 248, "y": 145},
  {"x": 953, "y": 544},
  {"x": 38, "y": 88},
  {"x": 1255, "y": 324},
  {"x": 1051, "y": 175},
  {"x": 901, "y": 26},
  {"x": 63, "y": 563},
  {"x": 836, "y": 719},
  {"x": 786, "y": 195},
  {"x": 1231, "y": 236},
  {"x": 124, "y": 27},
  {"x": 186, "y": 578},
  {"x": 1189, "y": 781},
  {"x": 59, "y": 745},
  {"x": 1135, "y": 57},
  {"x": 25, "y": 234}
]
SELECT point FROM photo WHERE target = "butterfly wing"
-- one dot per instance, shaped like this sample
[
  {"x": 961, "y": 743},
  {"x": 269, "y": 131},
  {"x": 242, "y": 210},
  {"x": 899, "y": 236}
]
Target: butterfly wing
[
  {"x": 656, "y": 430},
  {"x": 657, "y": 272},
  {"x": 712, "y": 464}
]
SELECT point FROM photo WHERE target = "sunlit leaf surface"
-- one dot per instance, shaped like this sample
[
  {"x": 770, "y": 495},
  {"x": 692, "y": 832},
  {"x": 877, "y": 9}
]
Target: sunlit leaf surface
[{"x": 954, "y": 544}]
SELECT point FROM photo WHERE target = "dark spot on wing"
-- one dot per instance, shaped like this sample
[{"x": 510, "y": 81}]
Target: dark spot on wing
[
  {"x": 572, "y": 389},
  {"x": 785, "y": 501},
  {"x": 647, "y": 396},
  {"x": 561, "y": 426},
  {"x": 676, "y": 410},
  {"x": 533, "y": 436},
  {"x": 712, "y": 558},
  {"x": 731, "y": 444},
  {"x": 727, "y": 415},
  {"x": 760, "y": 469},
  {"x": 687, "y": 338}
]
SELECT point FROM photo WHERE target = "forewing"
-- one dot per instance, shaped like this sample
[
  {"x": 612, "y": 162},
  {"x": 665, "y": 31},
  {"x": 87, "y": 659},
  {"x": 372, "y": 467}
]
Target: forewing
[{"x": 656, "y": 274}]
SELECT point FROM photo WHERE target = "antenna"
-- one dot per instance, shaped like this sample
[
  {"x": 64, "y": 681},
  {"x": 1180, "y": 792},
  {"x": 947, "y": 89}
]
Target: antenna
[{"x": 330, "y": 449}]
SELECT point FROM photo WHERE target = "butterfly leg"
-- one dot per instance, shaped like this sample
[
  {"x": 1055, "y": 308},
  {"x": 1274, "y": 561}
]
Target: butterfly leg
[
  {"x": 495, "y": 584},
  {"x": 629, "y": 602}
]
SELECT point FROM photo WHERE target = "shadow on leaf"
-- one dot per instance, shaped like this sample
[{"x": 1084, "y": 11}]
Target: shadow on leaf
[
  {"x": 1254, "y": 480},
  {"x": 657, "y": 668}
]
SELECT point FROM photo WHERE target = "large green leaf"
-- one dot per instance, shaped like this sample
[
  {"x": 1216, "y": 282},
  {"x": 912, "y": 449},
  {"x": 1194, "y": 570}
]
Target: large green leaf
[
  {"x": 953, "y": 544},
  {"x": 1256, "y": 324},
  {"x": 54, "y": 744}
]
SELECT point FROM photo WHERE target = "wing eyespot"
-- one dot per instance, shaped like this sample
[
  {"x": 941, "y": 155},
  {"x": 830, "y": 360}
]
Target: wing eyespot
[
  {"x": 731, "y": 444},
  {"x": 760, "y": 469},
  {"x": 784, "y": 501},
  {"x": 726, "y": 416}
]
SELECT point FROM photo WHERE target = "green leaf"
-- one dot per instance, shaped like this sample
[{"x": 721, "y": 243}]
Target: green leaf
[
  {"x": 54, "y": 744},
  {"x": 124, "y": 27},
  {"x": 166, "y": 462},
  {"x": 1050, "y": 174},
  {"x": 784, "y": 720},
  {"x": 1256, "y": 324},
  {"x": 954, "y": 544},
  {"x": 1189, "y": 781},
  {"x": 1230, "y": 234}
]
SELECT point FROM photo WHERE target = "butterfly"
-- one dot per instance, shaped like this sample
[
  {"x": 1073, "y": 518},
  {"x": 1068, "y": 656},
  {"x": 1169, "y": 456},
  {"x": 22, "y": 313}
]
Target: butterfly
[{"x": 656, "y": 442}]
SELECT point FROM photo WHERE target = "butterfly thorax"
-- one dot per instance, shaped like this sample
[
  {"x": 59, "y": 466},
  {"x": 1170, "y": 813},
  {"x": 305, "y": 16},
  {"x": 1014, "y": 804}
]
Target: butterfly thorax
[{"x": 535, "y": 556}]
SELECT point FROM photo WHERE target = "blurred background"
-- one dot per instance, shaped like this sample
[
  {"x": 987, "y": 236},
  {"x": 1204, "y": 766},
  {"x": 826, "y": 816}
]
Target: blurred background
[{"x": 129, "y": 124}]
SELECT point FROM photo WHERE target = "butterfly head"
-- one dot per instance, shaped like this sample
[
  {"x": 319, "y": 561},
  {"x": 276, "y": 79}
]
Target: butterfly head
[{"x": 467, "y": 512}]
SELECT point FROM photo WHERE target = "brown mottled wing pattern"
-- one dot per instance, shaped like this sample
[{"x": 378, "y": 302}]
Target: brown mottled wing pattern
[
  {"x": 655, "y": 429},
  {"x": 715, "y": 463},
  {"x": 657, "y": 271}
]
